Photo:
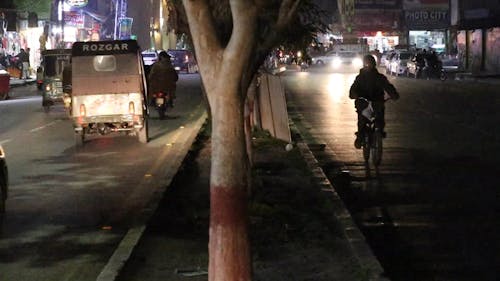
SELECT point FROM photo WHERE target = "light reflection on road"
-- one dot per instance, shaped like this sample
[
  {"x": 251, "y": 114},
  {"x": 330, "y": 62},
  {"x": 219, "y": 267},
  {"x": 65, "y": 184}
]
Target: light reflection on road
[{"x": 337, "y": 86}]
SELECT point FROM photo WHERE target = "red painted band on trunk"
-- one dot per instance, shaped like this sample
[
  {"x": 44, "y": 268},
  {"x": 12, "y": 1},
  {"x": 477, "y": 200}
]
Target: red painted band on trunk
[{"x": 228, "y": 206}]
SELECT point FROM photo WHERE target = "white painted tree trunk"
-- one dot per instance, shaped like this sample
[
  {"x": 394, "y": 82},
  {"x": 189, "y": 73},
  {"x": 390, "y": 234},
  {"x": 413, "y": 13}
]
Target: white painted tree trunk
[
  {"x": 228, "y": 245},
  {"x": 223, "y": 67}
]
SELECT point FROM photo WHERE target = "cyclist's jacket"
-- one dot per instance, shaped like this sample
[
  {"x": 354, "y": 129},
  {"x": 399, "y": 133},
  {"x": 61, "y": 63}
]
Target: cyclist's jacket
[{"x": 371, "y": 84}]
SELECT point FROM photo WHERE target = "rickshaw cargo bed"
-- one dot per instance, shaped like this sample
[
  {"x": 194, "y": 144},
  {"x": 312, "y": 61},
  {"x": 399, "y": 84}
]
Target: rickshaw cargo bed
[
  {"x": 107, "y": 105},
  {"x": 94, "y": 85}
]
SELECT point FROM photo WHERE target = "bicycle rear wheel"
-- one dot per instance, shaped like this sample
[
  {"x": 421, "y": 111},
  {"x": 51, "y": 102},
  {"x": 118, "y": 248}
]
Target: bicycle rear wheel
[
  {"x": 376, "y": 148},
  {"x": 366, "y": 147}
]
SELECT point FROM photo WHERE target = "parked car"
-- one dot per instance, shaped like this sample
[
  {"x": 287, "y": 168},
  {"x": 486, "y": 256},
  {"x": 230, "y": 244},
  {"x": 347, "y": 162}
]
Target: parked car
[
  {"x": 4, "y": 180},
  {"x": 385, "y": 61},
  {"x": 398, "y": 62},
  {"x": 325, "y": 59},
  {"x": 183, "y": 60}
]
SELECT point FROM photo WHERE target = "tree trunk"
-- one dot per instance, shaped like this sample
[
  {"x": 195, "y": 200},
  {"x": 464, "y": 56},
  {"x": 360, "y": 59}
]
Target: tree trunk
[{"x": 229, "y": 247}]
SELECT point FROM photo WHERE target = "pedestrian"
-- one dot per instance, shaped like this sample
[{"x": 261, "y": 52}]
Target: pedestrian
[
  {"x": 163, "y": 77},
  {"x": 24, "y": 58},
  {"x": 371, "y": 85}
]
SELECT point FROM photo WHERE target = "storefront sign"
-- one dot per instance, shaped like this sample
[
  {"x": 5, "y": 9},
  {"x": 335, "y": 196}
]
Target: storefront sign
[
  {"x": 425, "y": 4},
  {"x": 367, "y": 21},
  {"x": 479, "y": 14},
  {"x": 427, "y": 19},
  {"x": 376, "y": 4},
  {"x": 73, "y": 18},
  {"x": 104, "y": 47},
  {"x": 77, "y": 3}
]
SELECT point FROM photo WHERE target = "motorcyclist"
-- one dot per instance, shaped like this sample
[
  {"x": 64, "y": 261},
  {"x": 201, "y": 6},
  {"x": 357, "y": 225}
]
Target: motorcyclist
[
  {"x": 433, "y": 65},
  {"x": 163, "y": 77},
  {"x": 372, "y": 85}
]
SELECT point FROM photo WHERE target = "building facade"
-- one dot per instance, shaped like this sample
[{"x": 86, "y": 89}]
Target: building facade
[{"x": 477, "y": 24}]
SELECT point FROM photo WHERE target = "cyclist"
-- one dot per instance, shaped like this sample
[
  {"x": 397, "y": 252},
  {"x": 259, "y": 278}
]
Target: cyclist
[{"x": 371, "y": 85}]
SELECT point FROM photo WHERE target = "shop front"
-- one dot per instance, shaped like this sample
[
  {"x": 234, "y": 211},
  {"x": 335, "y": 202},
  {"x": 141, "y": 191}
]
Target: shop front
[{"x": 428, "y": 24}]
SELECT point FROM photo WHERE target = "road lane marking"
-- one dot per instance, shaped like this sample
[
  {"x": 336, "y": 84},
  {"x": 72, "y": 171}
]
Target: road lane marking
[
  {"x": 5, "y": 141},
  {"x": 44, "y": 126}
]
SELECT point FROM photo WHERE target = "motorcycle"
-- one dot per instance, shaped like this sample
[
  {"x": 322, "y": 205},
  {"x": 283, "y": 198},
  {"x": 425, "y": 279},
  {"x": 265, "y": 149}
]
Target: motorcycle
[
  {"x": 304, "y": 66},
  {"x": 162, "y": 101},
  {"x": 434, "y": 70}
]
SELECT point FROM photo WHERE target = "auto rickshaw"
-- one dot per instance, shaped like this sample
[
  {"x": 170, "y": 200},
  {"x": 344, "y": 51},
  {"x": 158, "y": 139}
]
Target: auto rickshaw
[
  {"x": 52, "y": 66},
  {"x": 109, "y": 92}
]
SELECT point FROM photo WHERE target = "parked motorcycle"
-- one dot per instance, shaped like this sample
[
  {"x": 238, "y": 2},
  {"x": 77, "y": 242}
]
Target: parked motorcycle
[
  {"x": 433, "y": 70},
  {"x": 162, "y": 101}
]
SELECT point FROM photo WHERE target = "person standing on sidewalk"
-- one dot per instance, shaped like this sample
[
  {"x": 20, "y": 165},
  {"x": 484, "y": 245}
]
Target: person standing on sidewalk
[{"x": 24, "y": 58}]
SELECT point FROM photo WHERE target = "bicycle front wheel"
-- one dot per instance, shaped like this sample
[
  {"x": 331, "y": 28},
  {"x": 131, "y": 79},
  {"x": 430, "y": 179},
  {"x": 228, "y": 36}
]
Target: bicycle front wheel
[{"x": 376, "y": 148}]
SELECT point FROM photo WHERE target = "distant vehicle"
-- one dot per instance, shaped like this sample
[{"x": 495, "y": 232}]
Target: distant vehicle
[
  {"x": 385, "y": 60},
  {"x": 54, "y": 62},
  {"x": 149, "y": 57},
  {"x": 183, "y": 60},
  {"x": 398, "y": 66},
  {"x": 347, "y": 61},
  {"x": 4, "y": 180},
  {"x": 415, "y": 65},
  {"x": 324, "y": 59}
]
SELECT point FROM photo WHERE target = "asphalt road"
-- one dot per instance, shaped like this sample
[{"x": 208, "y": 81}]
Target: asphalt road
[
  {"x": 69, "y": 208},
  {"x": 432, "y": 211}
]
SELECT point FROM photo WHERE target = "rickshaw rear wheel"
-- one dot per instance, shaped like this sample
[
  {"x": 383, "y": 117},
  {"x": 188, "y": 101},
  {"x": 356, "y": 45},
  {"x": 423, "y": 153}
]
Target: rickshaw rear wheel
[
  {"x": 142, "y": 134},
  {"x": 3, "y": 96}
]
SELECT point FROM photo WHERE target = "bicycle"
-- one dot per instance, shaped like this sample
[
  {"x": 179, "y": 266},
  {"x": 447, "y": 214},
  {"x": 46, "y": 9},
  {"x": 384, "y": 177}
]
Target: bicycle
[{"x": 372, "y": 136}]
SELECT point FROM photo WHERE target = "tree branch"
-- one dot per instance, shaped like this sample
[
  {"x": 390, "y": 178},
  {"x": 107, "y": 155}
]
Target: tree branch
[
  {"x": 243, "y": 36},
  {"x": 203, "y": 33},
  {"x": 286, "y": 12}
]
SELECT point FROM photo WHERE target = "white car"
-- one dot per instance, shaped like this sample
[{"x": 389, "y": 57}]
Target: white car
[
  {"x": 398, "y": 64},
  {"x": 347, "y": 60},
  {"x": 325, "y": 59},
  {"x": 149, "y": 57}
]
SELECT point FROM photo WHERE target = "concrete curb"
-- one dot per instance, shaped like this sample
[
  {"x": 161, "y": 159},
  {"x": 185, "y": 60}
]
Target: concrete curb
[
  {"x": 122, "y": 253},
  {"x": 357, "y": 241}
]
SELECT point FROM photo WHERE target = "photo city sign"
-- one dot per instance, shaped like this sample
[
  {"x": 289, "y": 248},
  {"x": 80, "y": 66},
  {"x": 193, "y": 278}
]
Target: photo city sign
[
  {"x": 427, "y": 19},
  {"x": 77, "y": 3}
]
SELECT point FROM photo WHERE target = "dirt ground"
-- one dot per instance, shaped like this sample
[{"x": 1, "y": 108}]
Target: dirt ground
[{"x": 294, "y": 235}]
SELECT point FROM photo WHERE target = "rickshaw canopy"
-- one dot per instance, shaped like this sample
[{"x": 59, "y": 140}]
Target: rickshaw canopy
[{"x": 107, "y": 67}]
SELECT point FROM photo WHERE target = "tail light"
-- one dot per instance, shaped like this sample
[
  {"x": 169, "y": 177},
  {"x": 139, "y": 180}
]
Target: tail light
[
  {"x": 83, "y": 111},
  {"x": 131, "y": 108},
  {"x": 160, "y": 95}
]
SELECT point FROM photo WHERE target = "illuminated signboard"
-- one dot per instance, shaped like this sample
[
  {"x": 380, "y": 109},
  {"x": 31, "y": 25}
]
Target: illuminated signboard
[{"x": 77, "y": 3}]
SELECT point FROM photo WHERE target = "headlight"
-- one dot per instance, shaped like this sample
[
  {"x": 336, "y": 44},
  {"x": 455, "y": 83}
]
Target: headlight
[
  {"x": 357, "y": 62},
  {"x": 336, "y": 62},
  {"x": 2, "y": 152}
]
